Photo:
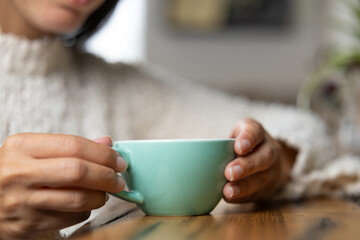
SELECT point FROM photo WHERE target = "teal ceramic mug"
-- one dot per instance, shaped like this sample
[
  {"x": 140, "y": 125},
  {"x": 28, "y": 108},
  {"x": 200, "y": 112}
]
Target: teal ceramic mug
[{"x": 175, "y": 177}]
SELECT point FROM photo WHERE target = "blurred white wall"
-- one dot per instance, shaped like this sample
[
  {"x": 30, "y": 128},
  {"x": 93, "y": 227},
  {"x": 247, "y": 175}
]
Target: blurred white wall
[
  {"x": 261, "y": 65},
  {"x": 121, "y": 39}
]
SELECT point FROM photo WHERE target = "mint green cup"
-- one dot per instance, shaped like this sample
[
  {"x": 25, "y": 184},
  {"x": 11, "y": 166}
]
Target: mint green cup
[{"x": 175, "y": 177}]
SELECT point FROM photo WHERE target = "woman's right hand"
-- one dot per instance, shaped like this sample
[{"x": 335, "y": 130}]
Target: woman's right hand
[{"x": 52, "y": 181}]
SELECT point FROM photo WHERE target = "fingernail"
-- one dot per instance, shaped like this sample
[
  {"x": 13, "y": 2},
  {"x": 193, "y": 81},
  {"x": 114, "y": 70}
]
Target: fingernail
[
  {"x": 234, "y": 191},
  {"x": 104, "y": 141},
  {"x": 121, "y": 183},
  {"x": 235, "y": 172},
  {"x": 106, "y": 197},
  {"x": 110, "y": 138},
  {"x": 243, "y": 145},
  {"x": 121, "y": 164},
  {"x": 100, "y": 139}
]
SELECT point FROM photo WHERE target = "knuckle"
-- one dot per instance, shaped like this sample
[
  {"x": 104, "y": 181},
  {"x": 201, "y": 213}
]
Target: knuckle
[
  {"x": 263, "y": 160},
  {"x": 271, "y": 154},
  {"x": 266, "y": 157},
  {"x": 250, "y": 166},
  {"x": 74, "y": 145},
  {"x": 107, "y": 157},
  {"x": 6, "y": 179},
  {"x": 110, "y": 178},
  {"x": 14, "y": 141},
  {"x": 26, "y": 227},
  {"x": 10, "y": 176},
  {"x": 79, "y": 200},
  {"x": 12, "y": 202},
  {"x": 75, "y": 170},
  {"x": 268, "y": 152}
]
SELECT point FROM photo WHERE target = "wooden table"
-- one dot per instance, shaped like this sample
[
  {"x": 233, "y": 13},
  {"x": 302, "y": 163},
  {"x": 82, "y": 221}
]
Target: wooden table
[{"x": 305, "y": 220}]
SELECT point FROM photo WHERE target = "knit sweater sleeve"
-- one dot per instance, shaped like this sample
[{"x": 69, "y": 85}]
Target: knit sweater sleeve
[{"x": 162, "y": 106}]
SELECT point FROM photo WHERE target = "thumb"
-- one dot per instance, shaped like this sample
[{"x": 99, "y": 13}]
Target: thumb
[{"x": 104, "y": 141}]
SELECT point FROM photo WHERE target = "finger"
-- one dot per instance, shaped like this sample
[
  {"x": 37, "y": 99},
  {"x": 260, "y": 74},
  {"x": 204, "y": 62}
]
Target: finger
[
  {"x": 58, "y": 145},
  {"x": 243, "y": 188},
  {"x": 107, "y": 141},
  {"x": 67, "y": 200},
  {"x": 248, "y": 133},
  {"x": 259, "y": 160},
  {"x": 74, "y": 172}
]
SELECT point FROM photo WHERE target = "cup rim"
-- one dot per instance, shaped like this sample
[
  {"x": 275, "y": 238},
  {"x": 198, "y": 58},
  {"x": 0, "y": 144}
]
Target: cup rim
[{"x": 180, "y": 140}]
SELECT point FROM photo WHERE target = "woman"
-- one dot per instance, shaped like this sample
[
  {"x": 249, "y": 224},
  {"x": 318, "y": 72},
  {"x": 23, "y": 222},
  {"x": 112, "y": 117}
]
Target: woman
[{"x": 54, "y": 176}]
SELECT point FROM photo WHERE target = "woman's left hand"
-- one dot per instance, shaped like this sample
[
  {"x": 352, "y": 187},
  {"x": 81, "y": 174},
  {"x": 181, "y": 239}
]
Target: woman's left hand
[{"x": 262, "y": 165}]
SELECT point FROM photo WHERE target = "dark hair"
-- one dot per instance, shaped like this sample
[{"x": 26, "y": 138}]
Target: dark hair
[{"x": 91, "y": 25}]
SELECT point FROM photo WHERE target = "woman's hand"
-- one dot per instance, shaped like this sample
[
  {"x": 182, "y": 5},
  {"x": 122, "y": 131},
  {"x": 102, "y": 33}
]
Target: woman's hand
[
  {"x": 51, "y": 181},
  {"x": 262, "y": 167}
]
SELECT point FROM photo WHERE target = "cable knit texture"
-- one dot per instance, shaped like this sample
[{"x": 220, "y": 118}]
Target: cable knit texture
[{"x": 46, "y": 87}]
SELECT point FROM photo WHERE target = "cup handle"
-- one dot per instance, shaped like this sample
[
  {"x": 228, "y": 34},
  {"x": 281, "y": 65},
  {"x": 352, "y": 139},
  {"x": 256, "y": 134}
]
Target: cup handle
[{"x": 134, "y": 196}]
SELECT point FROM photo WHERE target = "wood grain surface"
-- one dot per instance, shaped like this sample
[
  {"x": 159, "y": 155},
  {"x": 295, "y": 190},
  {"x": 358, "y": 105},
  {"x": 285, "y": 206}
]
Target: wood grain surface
[{"x": 305, "y": 220}]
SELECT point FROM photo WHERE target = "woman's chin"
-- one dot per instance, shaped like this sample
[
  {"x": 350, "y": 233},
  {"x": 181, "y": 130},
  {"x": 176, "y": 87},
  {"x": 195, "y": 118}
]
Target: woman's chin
[
  {"x": 60, "y": 27},
  {"x": 60, "y": 21}
]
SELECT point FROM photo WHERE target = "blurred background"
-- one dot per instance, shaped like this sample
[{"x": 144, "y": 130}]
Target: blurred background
[
  {"x": 304, "y": 52},
  {"x": 263, "y": 49}
]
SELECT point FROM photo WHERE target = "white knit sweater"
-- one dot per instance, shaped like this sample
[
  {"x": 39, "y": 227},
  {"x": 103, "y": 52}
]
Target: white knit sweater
[{"x": 48, "y": 88}]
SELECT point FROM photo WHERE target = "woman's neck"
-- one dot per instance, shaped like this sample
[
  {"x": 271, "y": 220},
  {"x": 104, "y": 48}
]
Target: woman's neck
[{"x": 14, "y": 23}]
